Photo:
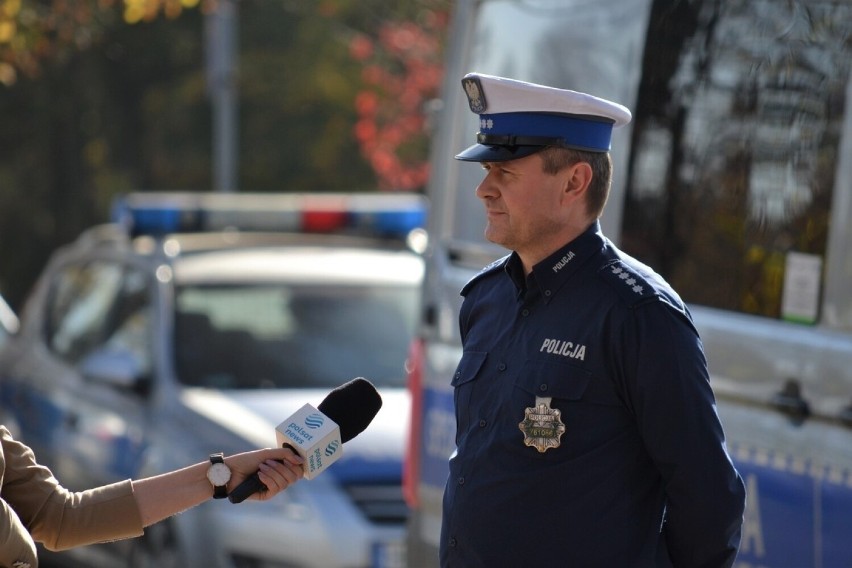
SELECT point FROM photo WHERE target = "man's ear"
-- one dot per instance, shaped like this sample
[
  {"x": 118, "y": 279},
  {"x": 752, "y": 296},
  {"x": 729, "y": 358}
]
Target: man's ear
[{"x": 577, "y": 178}]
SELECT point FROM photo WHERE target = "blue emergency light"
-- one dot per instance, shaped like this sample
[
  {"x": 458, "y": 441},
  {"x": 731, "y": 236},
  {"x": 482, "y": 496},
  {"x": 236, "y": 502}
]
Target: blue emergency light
[{"x": 159, "y": 213}]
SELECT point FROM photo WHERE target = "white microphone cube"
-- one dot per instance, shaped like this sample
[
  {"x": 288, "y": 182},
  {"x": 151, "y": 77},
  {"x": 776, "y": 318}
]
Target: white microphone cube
[{"x": 314, "y": 436}]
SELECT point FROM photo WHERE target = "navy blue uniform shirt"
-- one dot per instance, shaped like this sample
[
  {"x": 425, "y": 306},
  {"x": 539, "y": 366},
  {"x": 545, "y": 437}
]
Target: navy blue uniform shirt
[{"x": 641, "y": 476}]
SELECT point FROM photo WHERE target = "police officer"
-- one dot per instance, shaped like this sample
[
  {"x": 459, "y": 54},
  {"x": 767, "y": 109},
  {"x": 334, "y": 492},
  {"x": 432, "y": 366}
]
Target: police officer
[{"x": 587, "y": 433}]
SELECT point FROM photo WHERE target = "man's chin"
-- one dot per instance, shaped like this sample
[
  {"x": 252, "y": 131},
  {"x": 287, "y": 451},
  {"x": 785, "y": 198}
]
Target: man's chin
[{"x": 497, "y": 238}]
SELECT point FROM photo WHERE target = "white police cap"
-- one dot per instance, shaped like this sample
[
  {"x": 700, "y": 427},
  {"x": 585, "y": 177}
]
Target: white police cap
[{"x": 517, "y": 119}]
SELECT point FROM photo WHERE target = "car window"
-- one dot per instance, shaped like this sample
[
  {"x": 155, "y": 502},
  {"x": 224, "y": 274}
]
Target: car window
[
  {"x": 735, "y": 153},
  {"x": 80, "y": 301},
  {"x": 279, "y": 336},
  {"x": 99, "y": 306}
]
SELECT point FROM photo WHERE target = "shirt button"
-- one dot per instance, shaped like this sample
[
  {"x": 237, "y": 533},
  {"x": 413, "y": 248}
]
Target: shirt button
[
  {"x": 542, "y": 388},
  {"x": 483, "y": 423},
  {"x": 525, "y": 312},
  {"x": 453, "y": 543},
  {"x": 461, "y": 480},
  {"x": 501, "y": 367},
  {"x": 547, "y": 293}
]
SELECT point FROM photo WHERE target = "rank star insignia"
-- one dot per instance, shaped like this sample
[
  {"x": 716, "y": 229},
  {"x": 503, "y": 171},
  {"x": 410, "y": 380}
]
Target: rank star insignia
[{"x": 542, "y": 427}]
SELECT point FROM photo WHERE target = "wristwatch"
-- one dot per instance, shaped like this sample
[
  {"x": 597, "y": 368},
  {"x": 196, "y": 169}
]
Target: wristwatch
[{"x": 219, "y": 474}]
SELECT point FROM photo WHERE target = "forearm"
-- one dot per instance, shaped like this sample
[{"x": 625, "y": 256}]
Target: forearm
[{"x": 164, "y": 495}]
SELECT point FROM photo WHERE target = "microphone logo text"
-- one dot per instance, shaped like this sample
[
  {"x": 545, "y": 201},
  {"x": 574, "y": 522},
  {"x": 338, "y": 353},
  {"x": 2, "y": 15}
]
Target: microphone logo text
[{"x": 298, "y": 434}]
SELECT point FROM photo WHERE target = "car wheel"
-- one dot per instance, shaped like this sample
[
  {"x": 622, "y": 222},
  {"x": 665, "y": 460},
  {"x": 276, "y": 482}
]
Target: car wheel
[{"x": 158, "y": 547}]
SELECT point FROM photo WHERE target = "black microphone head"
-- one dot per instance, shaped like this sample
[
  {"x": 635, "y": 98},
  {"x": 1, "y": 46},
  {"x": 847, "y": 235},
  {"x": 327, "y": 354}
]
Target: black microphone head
[{"x": 352, "y": 406}]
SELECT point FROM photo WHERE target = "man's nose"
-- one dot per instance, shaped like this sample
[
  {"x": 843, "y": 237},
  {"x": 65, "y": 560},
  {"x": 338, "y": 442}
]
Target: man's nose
[{"x": 486, "y": 188}]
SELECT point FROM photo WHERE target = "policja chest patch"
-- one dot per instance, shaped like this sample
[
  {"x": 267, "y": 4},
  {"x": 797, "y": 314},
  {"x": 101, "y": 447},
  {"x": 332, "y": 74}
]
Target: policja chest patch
[{"x": 542, "y": 426}]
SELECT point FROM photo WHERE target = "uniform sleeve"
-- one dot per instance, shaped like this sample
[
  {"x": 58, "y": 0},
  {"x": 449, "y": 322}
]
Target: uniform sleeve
[
  {"x": 666, "y": 378},
  {"x": 59, "y": 518}
]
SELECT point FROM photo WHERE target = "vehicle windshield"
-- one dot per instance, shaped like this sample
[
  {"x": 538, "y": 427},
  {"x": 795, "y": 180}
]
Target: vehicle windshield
[{"x": 293, "y": 336}]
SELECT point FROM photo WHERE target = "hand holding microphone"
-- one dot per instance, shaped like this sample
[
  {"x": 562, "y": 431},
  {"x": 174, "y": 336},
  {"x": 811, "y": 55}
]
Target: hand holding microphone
[
  {"x": 318, "y": 434},
  {"x": 276, "y": 468}
]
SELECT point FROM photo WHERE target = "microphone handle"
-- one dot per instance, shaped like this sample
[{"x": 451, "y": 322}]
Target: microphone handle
[
  {"x": 250, "y": 485},
  {"x": 246, "y": 489}
]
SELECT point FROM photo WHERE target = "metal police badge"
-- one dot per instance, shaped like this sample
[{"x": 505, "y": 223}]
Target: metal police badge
[{"x": 542, "y": 426}]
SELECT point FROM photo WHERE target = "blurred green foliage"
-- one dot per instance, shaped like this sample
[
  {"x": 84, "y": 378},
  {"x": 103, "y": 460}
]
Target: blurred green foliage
[{"x": 100, "y": 106}]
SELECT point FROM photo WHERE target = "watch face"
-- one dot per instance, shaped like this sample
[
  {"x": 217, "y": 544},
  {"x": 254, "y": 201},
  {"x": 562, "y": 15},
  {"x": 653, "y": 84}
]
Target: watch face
[{"x": 219, "y": 474}]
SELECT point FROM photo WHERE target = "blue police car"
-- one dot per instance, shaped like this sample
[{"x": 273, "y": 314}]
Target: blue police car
[{"x": 196, "y": 323}]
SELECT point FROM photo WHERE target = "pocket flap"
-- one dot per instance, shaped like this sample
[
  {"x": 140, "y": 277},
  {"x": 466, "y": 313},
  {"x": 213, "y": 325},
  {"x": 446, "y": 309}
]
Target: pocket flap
[{"x": 468, "y": 367}]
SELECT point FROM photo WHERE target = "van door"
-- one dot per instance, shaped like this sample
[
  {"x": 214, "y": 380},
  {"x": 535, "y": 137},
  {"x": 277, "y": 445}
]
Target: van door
[{"x": 738, "y": 193}]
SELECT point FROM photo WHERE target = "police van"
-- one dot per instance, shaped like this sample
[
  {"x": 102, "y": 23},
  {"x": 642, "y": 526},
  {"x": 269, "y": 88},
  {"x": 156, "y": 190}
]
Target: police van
[{"x": 734, "y": 181}]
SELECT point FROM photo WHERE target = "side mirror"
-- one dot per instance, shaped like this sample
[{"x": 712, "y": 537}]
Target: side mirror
[
  {"x": 118, "y": 368},
  {"x": 9, "y": 323}
]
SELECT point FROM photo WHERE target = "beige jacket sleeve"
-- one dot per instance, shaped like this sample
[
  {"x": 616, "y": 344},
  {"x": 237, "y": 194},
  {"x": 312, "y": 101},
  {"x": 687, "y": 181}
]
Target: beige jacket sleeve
[{"x": 34, "y": 507}]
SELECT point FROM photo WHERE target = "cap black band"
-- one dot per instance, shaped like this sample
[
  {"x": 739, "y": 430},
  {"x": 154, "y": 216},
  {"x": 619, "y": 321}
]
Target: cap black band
[{"x": 513, "y": 140}]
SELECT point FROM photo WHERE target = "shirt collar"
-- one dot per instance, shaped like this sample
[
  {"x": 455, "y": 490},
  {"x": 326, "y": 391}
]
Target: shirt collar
[
  {"x": 552, "y": 272},
  {"x": 515, "y": 270}
]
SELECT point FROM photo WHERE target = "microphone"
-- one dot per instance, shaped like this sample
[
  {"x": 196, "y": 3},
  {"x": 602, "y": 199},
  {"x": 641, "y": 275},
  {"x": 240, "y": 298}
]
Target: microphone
[{"x": 317, "y": 434}]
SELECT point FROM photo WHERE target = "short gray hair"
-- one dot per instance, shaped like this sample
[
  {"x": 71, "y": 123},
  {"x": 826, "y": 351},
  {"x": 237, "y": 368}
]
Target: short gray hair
[{"x": 554, "y": 159}]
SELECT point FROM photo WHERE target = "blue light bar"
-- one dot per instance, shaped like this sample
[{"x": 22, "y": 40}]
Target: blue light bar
[{"x": 158, "y": 213}]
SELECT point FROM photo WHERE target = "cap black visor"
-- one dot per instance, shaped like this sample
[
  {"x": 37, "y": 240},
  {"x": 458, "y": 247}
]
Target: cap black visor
[{"x": 483, "y": 153}]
